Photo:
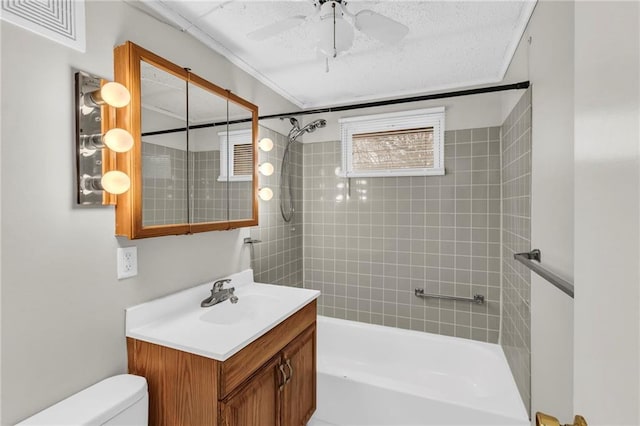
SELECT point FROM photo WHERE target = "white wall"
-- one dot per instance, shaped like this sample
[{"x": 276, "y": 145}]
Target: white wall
[
  {"x": 62, "y": 306},
  {"x": 607, "y": 200},
  {"x": 552, "y": 209},
  {"x": 0, "y": 237},
  {"x": 547, "y": 62}
]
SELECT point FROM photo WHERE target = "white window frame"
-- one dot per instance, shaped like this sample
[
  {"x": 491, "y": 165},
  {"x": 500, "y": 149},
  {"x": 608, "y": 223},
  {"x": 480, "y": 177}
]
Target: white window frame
[
  {"x": 420, "y": 118},
  {"x": 234, "y": 137}
]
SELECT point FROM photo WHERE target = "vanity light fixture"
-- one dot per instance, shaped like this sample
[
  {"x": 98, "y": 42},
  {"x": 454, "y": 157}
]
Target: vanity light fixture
[
  {"x": 265, "y": 193},
  {"x": 98, "y": 140},
  {"x": 265, "y": 144},
  {"x": 266, "y": 169}
]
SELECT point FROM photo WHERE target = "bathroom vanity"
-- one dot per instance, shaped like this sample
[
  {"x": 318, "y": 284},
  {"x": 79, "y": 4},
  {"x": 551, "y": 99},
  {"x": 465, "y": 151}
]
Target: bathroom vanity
[{"x": 213, "y": 366}]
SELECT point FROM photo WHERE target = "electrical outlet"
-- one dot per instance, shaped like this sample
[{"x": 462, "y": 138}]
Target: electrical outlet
[{"x": 127, "y": 262}]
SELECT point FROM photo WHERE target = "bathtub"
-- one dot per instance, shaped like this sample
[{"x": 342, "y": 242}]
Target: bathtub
[{"x": 370, "y": 375}]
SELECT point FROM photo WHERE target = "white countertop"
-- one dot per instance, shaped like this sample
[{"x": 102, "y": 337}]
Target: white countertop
[{"x": 218, "y": 332}]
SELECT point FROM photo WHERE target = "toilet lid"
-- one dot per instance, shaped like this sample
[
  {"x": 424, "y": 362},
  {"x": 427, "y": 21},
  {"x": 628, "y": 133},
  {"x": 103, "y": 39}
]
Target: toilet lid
[{"x": 94, "y": 405}]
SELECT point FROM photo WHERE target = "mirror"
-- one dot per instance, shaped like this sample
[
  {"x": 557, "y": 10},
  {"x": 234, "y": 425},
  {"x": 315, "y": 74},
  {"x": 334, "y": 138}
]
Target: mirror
[
  {"x": 207, "y": 118},
  {"x": 193, "y": 165},
  {"x": 164, "y": 147}
]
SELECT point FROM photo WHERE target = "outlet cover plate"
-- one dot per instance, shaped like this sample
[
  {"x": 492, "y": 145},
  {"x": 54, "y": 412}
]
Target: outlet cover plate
[{"x": 127, "y": 262}]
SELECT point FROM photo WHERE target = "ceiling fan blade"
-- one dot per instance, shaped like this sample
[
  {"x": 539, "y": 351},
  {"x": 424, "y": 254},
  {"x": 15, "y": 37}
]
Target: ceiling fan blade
[
  {"x": 276, "y": 28},
  {"x": 380, "y": 27}
]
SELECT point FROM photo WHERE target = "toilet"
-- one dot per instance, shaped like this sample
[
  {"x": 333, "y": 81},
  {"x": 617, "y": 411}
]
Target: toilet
[{"x": 120, "y": 400}]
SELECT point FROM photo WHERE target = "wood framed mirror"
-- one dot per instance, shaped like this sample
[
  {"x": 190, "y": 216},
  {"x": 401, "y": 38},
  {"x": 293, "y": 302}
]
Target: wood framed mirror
[{"x": 193, "y": 167}]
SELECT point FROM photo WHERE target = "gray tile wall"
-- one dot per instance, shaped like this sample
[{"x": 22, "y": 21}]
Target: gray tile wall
[
  {"x": 278, "y": 259},
  {"x": 366, "y": 248},
  {"x": 516, "y": 188},
  {"x": 240, "y": 200},
  {"x": 209, "y": 196},
  {"x": 165, "y": 185}
]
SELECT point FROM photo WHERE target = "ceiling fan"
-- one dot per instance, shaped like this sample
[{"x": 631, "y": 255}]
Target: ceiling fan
[{"x": 333, "y": 26}]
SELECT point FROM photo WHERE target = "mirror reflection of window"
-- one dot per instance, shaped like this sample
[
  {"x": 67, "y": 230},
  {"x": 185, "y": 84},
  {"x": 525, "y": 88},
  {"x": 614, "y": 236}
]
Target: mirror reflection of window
[{"x": 240, "y": 162}]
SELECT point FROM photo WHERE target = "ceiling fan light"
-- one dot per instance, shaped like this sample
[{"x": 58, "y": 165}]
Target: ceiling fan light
[{"x": 326, "y": 29}]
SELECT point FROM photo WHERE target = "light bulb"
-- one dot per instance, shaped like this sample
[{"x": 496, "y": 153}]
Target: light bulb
[
  {"x": 265, "y": 144},
  {"x": 115, "y": 182},
  {"x": 265, "y": 194},
  {"x": 115, "y": 94},
  {"x": 266, "y": 169},
  {"x": 112, "y": 93},
  {"x": 118, "y": 140}
]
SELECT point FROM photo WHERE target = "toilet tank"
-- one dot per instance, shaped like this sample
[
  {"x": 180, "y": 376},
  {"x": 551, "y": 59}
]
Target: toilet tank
[{"x": 119, "y": 400}]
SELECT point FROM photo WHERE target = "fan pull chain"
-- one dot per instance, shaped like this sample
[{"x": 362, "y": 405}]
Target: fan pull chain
[{"x": 335, "y": 50}]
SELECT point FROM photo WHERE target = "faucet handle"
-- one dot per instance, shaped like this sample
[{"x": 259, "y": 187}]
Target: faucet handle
[
  {"x": 218, "y": 284},
  {"x": 233, "y": 299}
]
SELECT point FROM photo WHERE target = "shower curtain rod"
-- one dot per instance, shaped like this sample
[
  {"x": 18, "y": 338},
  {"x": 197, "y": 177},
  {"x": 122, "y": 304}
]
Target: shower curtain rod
[{"x": 515, "y": 86}]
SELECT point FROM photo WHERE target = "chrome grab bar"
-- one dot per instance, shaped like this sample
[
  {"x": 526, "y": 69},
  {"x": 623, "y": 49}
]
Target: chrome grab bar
[
  {"x": 477, "y": 298},
  {"x": 532, "y": 261}
]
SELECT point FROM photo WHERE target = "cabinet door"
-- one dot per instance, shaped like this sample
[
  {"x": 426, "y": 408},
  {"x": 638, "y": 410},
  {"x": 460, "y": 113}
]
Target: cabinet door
[
  {"x": 257, "y": 403},
  {"x": 299, "y": 394}
]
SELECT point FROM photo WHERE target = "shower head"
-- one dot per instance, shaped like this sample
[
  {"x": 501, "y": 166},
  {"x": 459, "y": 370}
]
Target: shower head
[
  {"x": 316, "y": 124},
  {"x": 296, "y": 131}
]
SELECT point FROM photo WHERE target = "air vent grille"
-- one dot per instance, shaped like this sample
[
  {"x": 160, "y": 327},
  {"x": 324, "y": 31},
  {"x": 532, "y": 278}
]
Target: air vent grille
[{"x": 62, "y": 21}]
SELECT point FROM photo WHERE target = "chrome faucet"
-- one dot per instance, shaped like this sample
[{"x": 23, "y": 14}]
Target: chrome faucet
[{"x": 218, "y": 294}]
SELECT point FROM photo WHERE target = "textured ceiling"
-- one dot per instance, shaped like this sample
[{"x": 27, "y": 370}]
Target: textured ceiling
[{"x": 450, "y": 45}]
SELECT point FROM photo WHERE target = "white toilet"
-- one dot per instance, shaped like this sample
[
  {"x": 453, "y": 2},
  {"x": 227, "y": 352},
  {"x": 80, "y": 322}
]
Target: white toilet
[{"x": 119, "y": 400}]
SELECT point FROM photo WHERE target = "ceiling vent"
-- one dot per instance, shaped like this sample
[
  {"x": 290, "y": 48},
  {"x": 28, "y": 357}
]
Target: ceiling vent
[{"x": 62, "y": 21}]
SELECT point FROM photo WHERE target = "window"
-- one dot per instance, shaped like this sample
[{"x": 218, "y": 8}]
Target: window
[
  {"x": 240, "y": 149},
  {"x": 407, "y": 143}
]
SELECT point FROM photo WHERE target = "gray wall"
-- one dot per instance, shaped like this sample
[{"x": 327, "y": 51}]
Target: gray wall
[
  {"x": 278, "y": 258},
  {"x": 516, "y": 238},
  {"x": 62, "y": 306},
  {"x": 367, "y": 252}
]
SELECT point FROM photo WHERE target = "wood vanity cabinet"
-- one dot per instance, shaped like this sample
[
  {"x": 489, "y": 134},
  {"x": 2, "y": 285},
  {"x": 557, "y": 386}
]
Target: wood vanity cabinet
[
  {"x": 281, "y": 394},
  {"x": 270, "y": 382}
]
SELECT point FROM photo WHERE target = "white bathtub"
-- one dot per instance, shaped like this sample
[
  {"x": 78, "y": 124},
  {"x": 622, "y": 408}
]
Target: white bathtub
[{"x": 371, "y": 375}]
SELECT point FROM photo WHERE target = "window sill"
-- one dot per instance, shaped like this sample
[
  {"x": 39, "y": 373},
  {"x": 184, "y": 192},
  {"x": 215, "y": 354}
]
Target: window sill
[{"x": 235, "y": 178}]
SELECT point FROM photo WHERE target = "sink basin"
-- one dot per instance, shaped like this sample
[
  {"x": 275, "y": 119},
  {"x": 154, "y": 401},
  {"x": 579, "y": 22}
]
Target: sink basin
[
  {"x": 219, "y": 331},
  {"x": 250, "y": 307}
]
